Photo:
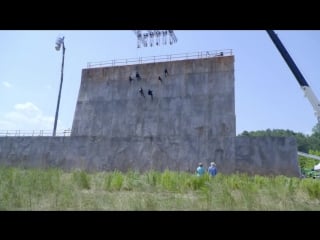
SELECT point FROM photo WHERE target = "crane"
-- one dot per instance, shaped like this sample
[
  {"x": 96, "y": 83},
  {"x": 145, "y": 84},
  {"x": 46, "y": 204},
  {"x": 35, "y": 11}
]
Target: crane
[{"x": 296, "y": 72}]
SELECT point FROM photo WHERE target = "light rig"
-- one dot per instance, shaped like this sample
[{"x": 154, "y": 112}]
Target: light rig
[{"x": 154, "y": 37}]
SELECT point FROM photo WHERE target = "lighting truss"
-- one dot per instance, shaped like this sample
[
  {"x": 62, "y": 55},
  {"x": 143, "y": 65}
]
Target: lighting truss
[{"x": 154, "y": 37}]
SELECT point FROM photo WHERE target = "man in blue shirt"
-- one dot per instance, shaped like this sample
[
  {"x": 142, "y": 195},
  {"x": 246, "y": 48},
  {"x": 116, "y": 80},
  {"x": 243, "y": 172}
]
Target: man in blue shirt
[
  {"x": 200, "y": 170},
  {"x": 212, "y": 170}
]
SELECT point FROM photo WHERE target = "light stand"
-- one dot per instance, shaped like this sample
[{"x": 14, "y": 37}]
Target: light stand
[{"x": 59, "y": 42}]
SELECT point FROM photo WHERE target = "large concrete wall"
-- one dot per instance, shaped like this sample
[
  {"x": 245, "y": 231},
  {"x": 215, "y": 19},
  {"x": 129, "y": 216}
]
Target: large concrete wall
[
  {"x": 191, "y": 117},
  {"x": 267, "y": 156},
  {"x": 257, "y": 155},
  {"x": 103, "y": 153},
  {"x": 197, "y": 96}
]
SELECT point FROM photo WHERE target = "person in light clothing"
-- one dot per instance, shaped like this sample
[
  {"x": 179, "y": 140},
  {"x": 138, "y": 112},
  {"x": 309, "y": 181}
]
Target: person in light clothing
[
  {"x": 200, "y": 170},
  {"x": 212, "y": 169}
]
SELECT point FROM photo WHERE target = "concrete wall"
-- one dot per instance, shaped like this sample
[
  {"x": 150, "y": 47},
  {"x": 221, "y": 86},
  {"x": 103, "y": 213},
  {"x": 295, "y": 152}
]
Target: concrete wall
[
  {"x": 197, "y": 95},
  {"x": 267, "y": 156},
  {"x": 254, "y": 155},
  {"x": 190, "y": 119},
  {"x": 108, "y": 154}
]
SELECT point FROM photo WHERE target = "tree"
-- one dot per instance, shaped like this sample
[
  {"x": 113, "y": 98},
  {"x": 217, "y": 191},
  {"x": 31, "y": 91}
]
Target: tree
[
  {"x": 304, "y": 144},
  {"x": 316, "y": 128}
]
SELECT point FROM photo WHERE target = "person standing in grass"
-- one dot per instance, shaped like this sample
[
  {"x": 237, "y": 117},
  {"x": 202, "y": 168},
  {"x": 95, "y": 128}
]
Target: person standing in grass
[
  {"x": 200, "y": 169},
  {"x": 212, "y": 170}
]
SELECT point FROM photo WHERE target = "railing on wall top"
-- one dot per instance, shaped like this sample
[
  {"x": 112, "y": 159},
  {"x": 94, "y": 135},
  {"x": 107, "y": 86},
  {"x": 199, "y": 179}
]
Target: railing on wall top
[
  {"x": 161, "y": 58},
  {"x": 33, "y": 133}
]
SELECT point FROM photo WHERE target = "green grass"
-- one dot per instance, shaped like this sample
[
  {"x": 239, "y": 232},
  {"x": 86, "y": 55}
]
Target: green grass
[{"x": 54, "y": 189}]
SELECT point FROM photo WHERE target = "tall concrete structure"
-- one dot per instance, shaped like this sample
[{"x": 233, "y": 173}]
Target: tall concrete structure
[{"x": 189, "y": 118}]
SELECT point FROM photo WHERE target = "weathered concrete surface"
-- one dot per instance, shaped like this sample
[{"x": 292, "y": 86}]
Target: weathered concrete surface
[
  {"x": 196, "y": 94},
  {"x": 108, "y": 154},
  {"x": 267, "y": 156},
  {"x": 253, "y": 155},
  {"x": 190, "y": 119}
]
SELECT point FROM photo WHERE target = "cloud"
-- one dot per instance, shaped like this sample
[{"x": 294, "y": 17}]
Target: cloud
[
  {"x": 6, "y": 125},
  {"x": 26, "y": 116},
  {"x": 6, "y": 84}
]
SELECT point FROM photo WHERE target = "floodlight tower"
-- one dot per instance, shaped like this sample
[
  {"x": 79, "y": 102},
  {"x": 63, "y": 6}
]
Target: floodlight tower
[
  {"x": 59, "y": 43},
  {"x": 143, "y": 37}
]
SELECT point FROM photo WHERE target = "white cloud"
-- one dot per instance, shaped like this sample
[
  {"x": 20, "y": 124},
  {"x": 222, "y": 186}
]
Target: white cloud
[
  {"x": 6, "y": 84},
  {"x": 26, "y": 116},
  {"x": 27, "y": 109},
  {"x": 6, "y": 125}
]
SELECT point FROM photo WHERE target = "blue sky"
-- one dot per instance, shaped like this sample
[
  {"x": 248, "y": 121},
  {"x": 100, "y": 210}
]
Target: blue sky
[{"x": 267, "y": 94}]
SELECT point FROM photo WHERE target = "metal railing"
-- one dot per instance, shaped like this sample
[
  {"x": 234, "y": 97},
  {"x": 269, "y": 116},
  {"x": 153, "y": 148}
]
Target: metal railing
[
  {"x": 161, "y": 58},
  {"x": 33, "y": 133}
]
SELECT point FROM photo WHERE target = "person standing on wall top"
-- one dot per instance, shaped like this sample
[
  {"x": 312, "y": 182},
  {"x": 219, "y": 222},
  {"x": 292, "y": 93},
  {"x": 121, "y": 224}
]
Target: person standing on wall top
[
  {"x": 212, "y": 170},
  {"x": 200, "y": 169}
]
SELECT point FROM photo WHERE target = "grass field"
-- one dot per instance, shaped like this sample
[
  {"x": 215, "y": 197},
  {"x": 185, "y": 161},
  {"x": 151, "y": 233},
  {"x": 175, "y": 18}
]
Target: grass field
[{"x": 54, "y": 189}]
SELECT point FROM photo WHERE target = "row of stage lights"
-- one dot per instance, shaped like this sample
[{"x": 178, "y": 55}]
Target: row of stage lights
[{"x": 154, "y": 37}]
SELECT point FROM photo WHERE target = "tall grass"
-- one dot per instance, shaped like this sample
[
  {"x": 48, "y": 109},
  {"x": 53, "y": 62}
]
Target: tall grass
[{"x": 54, "y": 189}]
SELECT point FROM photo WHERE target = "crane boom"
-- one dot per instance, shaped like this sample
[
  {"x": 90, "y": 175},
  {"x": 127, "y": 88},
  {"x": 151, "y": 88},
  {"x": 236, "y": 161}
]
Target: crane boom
[{"x": 296, "y": 72}]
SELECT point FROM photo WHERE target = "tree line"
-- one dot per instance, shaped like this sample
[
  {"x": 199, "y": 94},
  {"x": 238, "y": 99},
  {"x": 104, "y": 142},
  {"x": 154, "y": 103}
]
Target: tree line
[{"x": 305, "y": 142}]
